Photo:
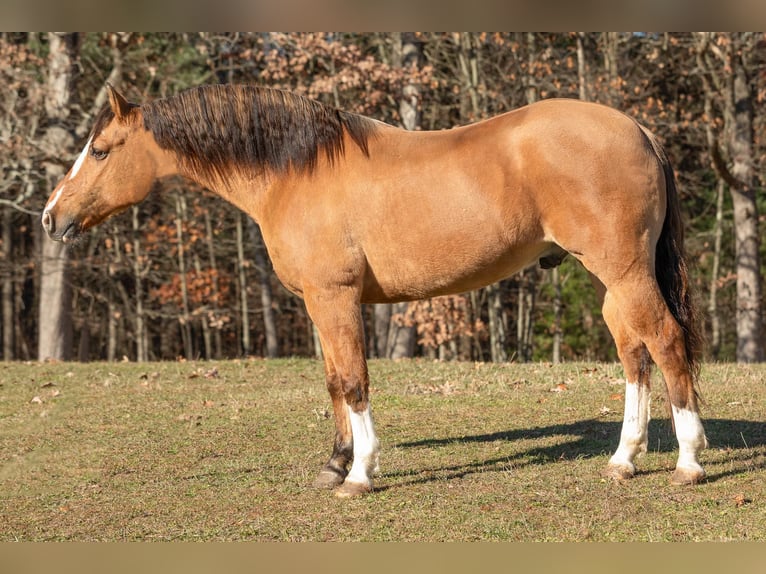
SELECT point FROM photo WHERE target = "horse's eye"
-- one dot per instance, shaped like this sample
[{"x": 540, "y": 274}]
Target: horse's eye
[{"x": 97, "y": 153}]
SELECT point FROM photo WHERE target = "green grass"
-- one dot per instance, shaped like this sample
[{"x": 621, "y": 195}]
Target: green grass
[{"x": 227, "y": 451}]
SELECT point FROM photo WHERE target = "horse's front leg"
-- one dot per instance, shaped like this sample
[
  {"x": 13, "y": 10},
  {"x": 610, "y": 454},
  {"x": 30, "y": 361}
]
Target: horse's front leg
[
  {"x": 334, "y": 472},
  {"x": 337, "y": 315}
]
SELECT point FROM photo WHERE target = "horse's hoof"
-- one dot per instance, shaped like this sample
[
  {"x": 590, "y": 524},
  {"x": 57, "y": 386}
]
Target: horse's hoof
[
  {"x": 619, "y": 471},
  {"x": 686, "y": 476},
  {"x": 352, "y": 489},
  {"x": 328, "y": 479}
]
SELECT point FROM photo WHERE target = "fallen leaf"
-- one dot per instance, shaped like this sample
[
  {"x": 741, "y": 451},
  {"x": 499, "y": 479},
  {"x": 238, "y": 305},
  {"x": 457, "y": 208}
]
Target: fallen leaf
[
  {"x": 616, "y": 397},
  {"x": 740, "y": 500},
  {"x": 36, "y": 400}
]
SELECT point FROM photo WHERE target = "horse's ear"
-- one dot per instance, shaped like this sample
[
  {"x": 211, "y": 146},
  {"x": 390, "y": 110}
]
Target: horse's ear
[{"x": 120, "y": 106}]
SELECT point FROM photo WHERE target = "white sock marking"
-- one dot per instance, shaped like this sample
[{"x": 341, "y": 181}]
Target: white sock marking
[
  {"x": 634, "y": 436},
  {"x": 366, "y": 447},
  {"x": 691, "y": 437}
]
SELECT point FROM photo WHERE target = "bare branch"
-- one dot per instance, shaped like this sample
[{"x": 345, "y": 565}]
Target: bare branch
[{"x": 18, "y": 207}]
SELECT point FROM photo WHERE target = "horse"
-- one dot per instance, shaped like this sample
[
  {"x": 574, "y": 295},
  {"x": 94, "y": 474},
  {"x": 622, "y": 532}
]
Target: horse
[{"x": 354, "y": 211}]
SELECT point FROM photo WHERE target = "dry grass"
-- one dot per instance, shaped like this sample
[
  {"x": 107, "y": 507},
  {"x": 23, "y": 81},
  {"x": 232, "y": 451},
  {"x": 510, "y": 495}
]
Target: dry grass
[{"x": 226, "y": 451}]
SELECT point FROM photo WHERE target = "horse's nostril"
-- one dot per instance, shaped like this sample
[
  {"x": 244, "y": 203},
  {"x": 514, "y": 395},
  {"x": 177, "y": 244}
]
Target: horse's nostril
[{"x": 47, "y": 222}]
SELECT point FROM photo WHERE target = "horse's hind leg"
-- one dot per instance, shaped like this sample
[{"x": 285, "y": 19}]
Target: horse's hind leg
[
  {"x": 337, "y": 316},
  {"x": 637, "y": 366},
  {"x": 644, "y": 316}
]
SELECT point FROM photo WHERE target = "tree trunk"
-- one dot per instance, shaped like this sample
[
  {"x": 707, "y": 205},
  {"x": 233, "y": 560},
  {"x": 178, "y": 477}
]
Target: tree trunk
[
  {"x": 55, "y": 310},
  {"x": 581, "y": 67},
  {"x": 184, "y": 319},
  {"x": 207, "y": 338},
  {"x": 399, "y": 340},
  {"x": 498, "y": 324},
  {"x": 212, "y": 262},
  {"x": 610, "y": 40},
  {"x": 83, "y": 350},
  {"x": 733, "y": 82},
  {"x": 7, "y": 288},
  {"x": 142, "y": 351},
  {"x": 401, "y": 337},
  {"x": 242, "y": 275},
  {"x": 731, "y": 78},
  {"x": 558, "y": 334},
  {"x": 55, "y": 324},
  {"x": 111, "y": 328},
  {"x": 527, "y": 285},
  {"x": 715, "y": 321},
  {"x": 381, "y": 326},
  {"x": 750, "y": 347},
  {"x": 526, "y": 307},
  {"x": 262, "y": 267}
]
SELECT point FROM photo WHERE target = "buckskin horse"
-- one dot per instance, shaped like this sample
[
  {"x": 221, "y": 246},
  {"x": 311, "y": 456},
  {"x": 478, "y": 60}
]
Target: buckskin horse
[{"x": 356, "y": 211}]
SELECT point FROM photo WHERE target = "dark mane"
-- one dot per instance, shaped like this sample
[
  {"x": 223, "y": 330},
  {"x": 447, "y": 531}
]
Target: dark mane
[{"x": 215, "y": 128}]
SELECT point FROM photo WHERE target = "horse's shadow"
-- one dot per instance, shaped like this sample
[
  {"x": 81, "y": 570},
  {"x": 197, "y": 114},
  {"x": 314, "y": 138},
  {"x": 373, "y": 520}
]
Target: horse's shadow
[{"x": 591, "y": 438}]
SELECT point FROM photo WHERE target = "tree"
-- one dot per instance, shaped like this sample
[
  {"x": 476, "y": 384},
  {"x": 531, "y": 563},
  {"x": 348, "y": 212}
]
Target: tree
[
  {"x": 55, "y": 312},
  {"x": 730, "y": 71},
  {"x": 21, "y": 96},
  {"x": 263, "y": 268},
  {"x": 396, "y": 337}
]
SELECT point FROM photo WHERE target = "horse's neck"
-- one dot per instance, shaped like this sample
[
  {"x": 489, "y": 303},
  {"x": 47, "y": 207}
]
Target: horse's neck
[{"x": 246, "y": 192}]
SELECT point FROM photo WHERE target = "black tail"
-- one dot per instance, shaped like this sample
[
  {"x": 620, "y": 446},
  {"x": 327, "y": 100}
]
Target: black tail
[{"x": 671, "y": 270}]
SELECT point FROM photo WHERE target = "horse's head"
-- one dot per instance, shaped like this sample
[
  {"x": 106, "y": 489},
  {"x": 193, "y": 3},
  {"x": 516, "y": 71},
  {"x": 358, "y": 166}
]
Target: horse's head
[{"x": 115, "y": 170}]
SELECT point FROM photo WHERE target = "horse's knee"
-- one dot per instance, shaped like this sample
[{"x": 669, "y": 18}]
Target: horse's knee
[{"x": 356, "y": 393}]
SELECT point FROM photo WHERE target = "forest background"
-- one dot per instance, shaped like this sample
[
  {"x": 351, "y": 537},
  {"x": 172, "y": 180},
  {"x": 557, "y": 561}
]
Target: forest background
[{"x": 185, "y": 275}]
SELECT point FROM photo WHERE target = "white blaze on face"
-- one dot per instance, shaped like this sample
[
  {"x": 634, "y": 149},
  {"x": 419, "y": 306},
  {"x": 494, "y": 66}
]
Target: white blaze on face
[
  {"x": 366, "y": 447},
  {"x": 80, "y": 159},
  {"x": 73, "y": 172},
  {"x": 55, "y": 199}
]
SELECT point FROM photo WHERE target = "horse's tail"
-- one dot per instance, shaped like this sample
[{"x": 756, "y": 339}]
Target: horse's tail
[{"x": 671, "y": 269}]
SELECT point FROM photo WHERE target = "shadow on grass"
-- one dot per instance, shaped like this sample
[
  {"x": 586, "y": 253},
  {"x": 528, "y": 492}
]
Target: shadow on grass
[{"x": 590, "y": 438}]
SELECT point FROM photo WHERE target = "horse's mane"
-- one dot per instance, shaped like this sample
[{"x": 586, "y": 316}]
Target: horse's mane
[{"x": 215, "y": 128}]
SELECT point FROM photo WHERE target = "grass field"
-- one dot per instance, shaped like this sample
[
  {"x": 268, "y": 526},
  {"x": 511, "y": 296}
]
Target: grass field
[{"x": 227, "y": 451}]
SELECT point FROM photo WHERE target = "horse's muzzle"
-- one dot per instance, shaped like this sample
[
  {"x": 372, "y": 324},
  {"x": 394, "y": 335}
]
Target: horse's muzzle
[{"x": 67, "y": 232}]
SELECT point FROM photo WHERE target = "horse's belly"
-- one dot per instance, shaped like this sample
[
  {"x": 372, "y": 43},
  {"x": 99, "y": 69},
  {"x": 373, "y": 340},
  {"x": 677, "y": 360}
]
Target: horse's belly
[{"x": 435, "y": 273}]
